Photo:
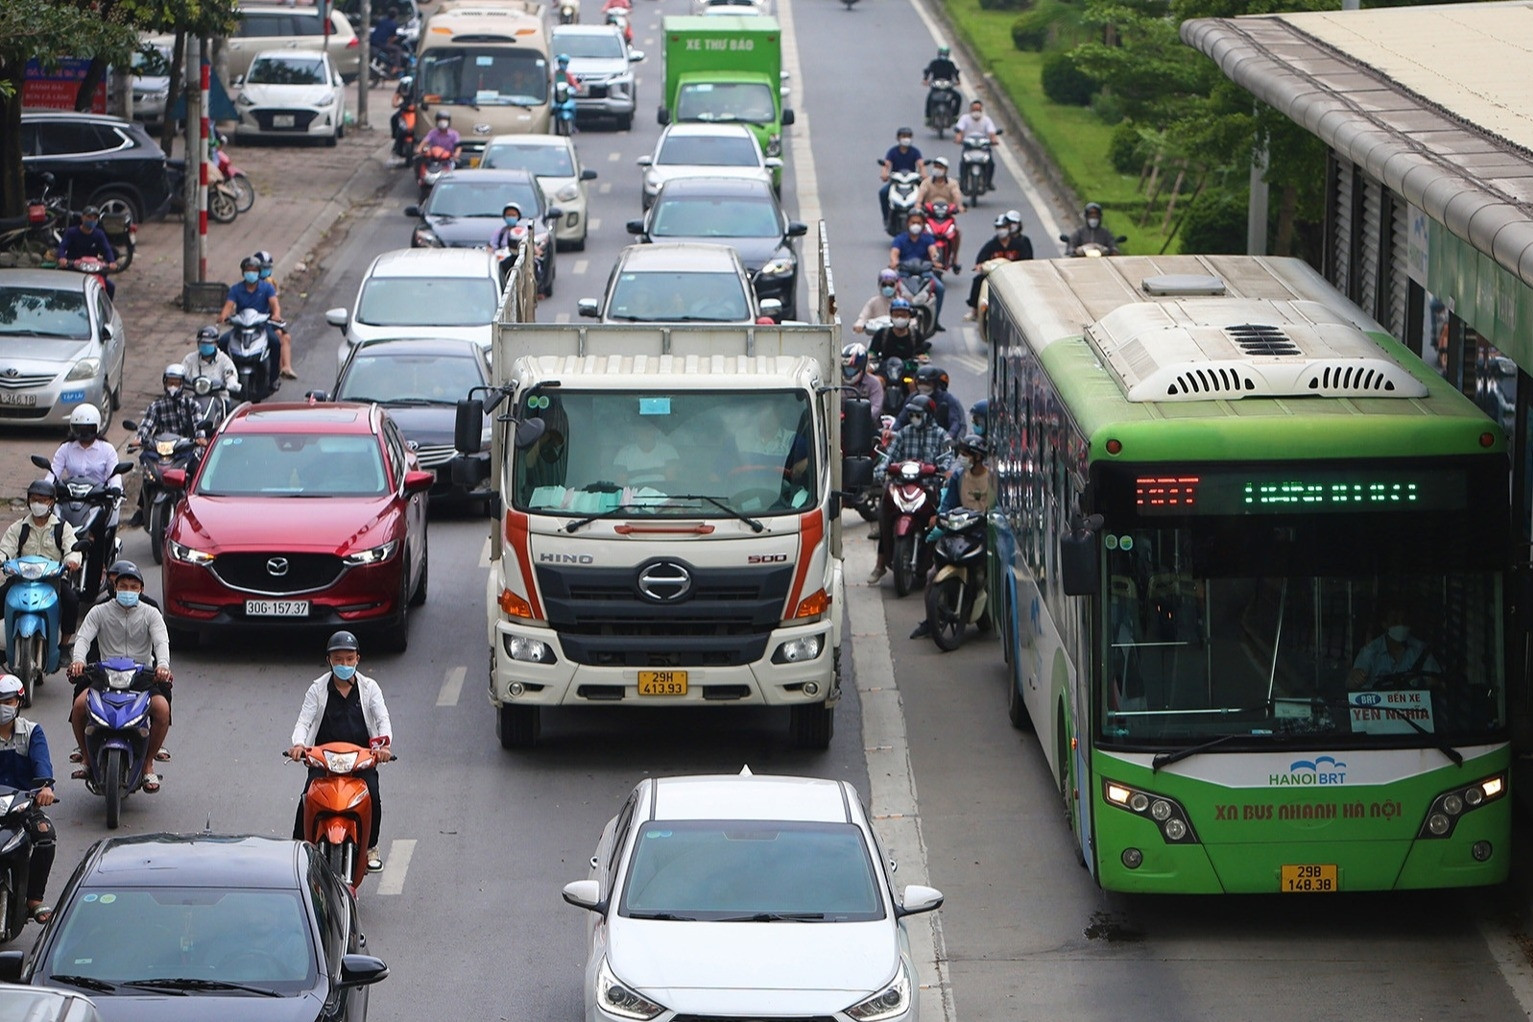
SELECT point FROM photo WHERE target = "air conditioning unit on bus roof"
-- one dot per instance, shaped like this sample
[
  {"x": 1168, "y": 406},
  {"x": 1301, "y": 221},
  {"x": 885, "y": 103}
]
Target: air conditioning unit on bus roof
[{"x": 1205, "y": 349}]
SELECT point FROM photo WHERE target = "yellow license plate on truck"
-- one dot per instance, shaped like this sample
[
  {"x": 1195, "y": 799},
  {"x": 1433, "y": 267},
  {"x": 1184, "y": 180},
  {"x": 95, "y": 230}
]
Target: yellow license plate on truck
[
  {"x": 662, "y": 683},
  {"x": 1313, "y": 879}
]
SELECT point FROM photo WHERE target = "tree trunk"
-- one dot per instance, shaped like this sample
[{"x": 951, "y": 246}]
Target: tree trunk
[
  {"x": 12, "y": 180},
  {"x": 1288, "y": 203},
  {"x": 177, "y": 62},
  {"x": 93, "y": 77}
]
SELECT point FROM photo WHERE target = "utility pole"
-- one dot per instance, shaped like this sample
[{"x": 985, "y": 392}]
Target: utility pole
[
  {"x": 195, "y": 212},
  {"x": 365, "y": 32}
]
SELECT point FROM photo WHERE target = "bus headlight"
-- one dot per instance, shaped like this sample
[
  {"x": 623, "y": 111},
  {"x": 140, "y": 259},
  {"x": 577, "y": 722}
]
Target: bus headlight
[
  {"x": 1454, "y": 804},
  {"x": 1166, "y": 813}
]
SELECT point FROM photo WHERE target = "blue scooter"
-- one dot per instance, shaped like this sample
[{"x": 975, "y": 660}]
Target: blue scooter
[
  {"x": 116, "y": 734},
  {"x": 564, "y": 108},
  {"x": 32, "y": 619}
]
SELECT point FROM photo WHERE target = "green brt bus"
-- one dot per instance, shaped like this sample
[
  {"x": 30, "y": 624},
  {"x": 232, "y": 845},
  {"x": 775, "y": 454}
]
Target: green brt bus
[{"x": 1248, "y": 564}]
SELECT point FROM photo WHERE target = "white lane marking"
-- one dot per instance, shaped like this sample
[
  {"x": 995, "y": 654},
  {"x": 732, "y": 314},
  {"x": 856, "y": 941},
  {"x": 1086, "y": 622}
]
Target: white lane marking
[
  {"x": 614, "y": 156},
  {"x": 395, "y": 865},
  {"x": 594, "y": 223},
  {"x": 562, "y": 317},
  {"x": 581, "y": 265},
  {"x": 970, "y": 362},
  {"x": 604, "y": 188},
  {"x": 452, "y": 687},
  {"x": 484, "y": 553},
  {"x": 1013, "y": 164}
]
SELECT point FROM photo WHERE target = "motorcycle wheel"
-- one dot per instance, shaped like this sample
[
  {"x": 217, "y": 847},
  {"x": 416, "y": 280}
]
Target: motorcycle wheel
[
  {"x": 944, "y": 611},
  {"x": 221, "y": 206},
  {"x": 114, "y": 766},
  {"x": 8, "y": 928},
  {"x": 563, "y": 125},
  {"x": 973, "y": 185},
  {"x": 904, "y": 565},
  {"x": 244, "y": 193},
  {"x": 28, "y": 666},
  {"x": 338, "y": 858},
  {"x": 159, "y": 515}
]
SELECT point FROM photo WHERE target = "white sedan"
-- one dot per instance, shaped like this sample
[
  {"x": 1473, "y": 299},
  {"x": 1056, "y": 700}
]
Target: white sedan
[
  {"x": 553, "y": 161},
  {"x": 705, "y": 150},
  {"x": 744, "y": 897},
  {"x": 291, "y": 94}
]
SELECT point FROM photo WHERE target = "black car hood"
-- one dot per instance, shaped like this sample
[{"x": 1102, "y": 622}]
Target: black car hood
[
  {"x": 425, "y": 424},
  {"x": 754, "y": 252},
  {"x": 465, "y": 231},
  {"x": 201, "y": 1007}
]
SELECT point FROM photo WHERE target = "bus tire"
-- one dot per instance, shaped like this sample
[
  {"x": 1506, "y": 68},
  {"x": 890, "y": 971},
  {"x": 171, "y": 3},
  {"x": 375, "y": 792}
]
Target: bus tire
[{"x": 1016, "y": 708}]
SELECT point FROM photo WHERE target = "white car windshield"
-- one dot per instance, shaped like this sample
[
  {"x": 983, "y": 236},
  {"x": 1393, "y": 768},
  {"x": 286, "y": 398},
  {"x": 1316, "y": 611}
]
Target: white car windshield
[
  {"x": 427, "y": 301},
  {"x": 293, "y": 465},
  {"x": 666, "y": 296},
  {"x": 537, "y": 160},
  {"x": 708, "y": 151},
  {"x": 294, "y": 70}
]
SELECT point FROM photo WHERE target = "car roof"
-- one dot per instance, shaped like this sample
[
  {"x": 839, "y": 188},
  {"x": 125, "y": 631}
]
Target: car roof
[
  {"x": 51, "y": 279},
  {"x": 287, "y": 52},
  {"x": 489, "y": 174},
  {"x": 603, "y": 29},
  {"x": 684, "y": 257},
  {"x": 194, "y": 860},
  {"x": 751, "y": 797},
  {"x": 71, "y": 115},
  {"x": 434, "y": 262},
  {"x": 449, "y": 347},
  {"x": 528, "y": 141},
  {"x": 699, "y": 128},
  {"x": 721, "y": 187},
  {"x": 328, "y": 417}
]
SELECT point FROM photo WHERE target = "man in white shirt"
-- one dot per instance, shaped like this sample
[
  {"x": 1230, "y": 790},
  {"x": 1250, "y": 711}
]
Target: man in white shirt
[{"x": 977, "y": 122}]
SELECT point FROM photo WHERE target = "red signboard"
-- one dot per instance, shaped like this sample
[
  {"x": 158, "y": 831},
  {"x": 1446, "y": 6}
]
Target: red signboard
[{"x": 56, "y": 88}]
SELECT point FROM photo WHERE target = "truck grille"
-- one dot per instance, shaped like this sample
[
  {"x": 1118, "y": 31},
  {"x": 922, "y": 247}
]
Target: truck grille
[{"x": 258, "y": 573}]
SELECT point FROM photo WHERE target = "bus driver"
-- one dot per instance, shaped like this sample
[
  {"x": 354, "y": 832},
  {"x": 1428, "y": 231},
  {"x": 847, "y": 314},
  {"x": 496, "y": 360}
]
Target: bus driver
[{"x": 1394, "y": 657}]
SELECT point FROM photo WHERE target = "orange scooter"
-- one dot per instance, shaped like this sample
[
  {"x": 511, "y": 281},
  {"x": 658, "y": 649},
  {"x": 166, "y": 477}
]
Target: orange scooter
[{"x": 337, "y": 810}]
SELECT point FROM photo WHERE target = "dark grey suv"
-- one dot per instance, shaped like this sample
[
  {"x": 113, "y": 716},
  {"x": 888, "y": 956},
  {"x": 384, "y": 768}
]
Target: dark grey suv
[{"x": 95, "y": 160}]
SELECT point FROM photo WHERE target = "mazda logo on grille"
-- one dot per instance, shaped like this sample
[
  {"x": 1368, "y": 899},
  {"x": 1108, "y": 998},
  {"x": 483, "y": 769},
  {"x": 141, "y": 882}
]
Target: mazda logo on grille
[
  {"x": 664, "y": 581},
  {"x": 277, "y": 566}
]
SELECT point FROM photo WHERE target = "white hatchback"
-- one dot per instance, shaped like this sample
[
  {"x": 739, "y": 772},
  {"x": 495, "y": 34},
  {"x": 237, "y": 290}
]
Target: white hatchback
[
  {"x": 553, "y": 161},
  {"x": 291, "y": 94},
  {"x": 705, "y": 150},
  {"x": 423, "y": 292},
  {"x": 745, "y": 897}
]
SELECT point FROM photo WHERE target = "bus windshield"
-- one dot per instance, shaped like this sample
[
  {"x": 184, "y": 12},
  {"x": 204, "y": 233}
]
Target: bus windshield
[
  {"x": 477, "y": 76},
  {"x": 673, "y": 455},
  {"x": 1353, "y": 630}
]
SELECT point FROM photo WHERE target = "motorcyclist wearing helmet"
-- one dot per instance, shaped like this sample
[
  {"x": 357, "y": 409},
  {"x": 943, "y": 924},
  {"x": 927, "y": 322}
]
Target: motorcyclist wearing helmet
[
  {"x": 345, "y": 705},
  {"x": 1008, "y": 244},
  {"x": 84, "y": 456},
  {"x": 251, "y": 292},
  {"x": 979, "y": 417},
  {"x": 941, "y": 69},
  {"x": 932, "y": 382},
  {"x": 922, "y": 440},
  {"x": 903, "y": 155},
  {"x": 442, "y": 136},
  {"x": 856, "y": 378},
  {"x": 267, "y": 266},
  {"x": 26, "y": 765},
  {"x": 972, "y": 485},
  {"x": 1092, "y": 232},
  {"x": 88, "y": 239},
  {"x": 126, "y": 627},
  {"x": 174, "y": 411},
  {"x": 385, "y": 42},
  {"x": 977, "y": 122},
  {"x": 898, "y": 339},
  {"x": 562, "y": 71},
  {"x": 917, "y": 245},
  {"x": 42, "y": 533},
  {"x": 940, "y": 188},
  {"x": 877, "y": 307},
  {"x": 208, "y": 360},
  {"x": 109, "y": 594}
]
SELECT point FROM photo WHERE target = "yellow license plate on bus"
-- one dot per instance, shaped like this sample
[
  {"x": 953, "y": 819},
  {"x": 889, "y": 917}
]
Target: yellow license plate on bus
[
  {"x": 662, "y": 683},
  {"x": 1312, "y": 879}
]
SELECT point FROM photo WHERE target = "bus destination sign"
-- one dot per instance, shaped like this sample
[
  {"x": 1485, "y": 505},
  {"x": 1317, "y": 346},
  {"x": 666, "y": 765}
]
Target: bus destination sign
[{"x": 1299, "y": 490}]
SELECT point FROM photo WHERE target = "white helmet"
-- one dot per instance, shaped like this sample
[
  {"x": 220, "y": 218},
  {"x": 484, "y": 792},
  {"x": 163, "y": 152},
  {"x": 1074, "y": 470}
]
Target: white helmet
[
  {"x": 85, "y": 415},
  {"x": 175, "y": 369},
  {"x": 10, "y": 685}
]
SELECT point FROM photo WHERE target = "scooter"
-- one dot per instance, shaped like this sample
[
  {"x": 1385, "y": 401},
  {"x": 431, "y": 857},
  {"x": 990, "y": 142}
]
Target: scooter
[
  {"x": 155, "y": 499},
  {"x": 867, "y": 500},
  {"x": 36, "y": 233},
  {"x": 619, "y": 16},
  {"x": 913, "y": 489},
  {"x": 238, "y": 184},
  {"x": 337, "y": 810},
  {"x": 431, "y": 165},
  {"x": 15, "y": 860},
  {"x": 249, "y": 345},
  {"x": 93, "y": 267},
  {"x": 942, "y": 101},
  {"x": 942, "y": 222},
  {"x": 91, "y": 508},
  {"x": 917, "y": 288},
  {"x": 564, "y": 108},
  {"x": 898, "y": 377},
  {"x": 956, "y": 596},
  {"x": 32, "y": 618},
  {"x": 569, "y": 13},
  {"x": 1092, "y": 250},
  {"x": 973, "y": 163},
  {"x": 116, "y": 734},
  {"x": 223, "y": 202},
  {"x": 903, "y": 186}
]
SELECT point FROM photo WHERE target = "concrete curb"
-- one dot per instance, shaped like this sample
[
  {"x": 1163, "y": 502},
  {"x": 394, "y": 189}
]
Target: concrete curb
[{"x": 339, "y": 205}]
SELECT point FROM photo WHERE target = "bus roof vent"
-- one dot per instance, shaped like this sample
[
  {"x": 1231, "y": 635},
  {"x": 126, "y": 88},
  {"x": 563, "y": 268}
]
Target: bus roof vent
[
  {"x": 1212, "y": 348},
  {"x": 1171, "y": 284}
]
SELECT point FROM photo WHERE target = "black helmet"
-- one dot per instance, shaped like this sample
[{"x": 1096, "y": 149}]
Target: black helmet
[
  {"x": 931, "y": 374},
  {"x": 904, "y": 131},
  {"x": 250, "y": 262},
  {"x": 1093, "y": 207},
  {"x": 91, "y": 211},
  {"x": 117, "y": 566},
  {"x": 342, "y": 641},
  {"x": 975, "y": 444},
  {"x": 921, "y": 404},
  {"x": 127, "y": 569},
  {"x": 943, "y": 51},
  {"x": 41, "y": 488},
  {"x": 208, "y": 333}
]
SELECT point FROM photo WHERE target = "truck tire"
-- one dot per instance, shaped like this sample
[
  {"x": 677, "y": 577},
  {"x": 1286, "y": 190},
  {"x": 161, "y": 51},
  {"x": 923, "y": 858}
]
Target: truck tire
[
  {"x": 517, "y": 726},
  {"x": 812, "y": 725}
]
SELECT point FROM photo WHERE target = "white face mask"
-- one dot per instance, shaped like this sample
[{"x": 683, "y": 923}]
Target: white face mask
[
  {"x": 899, "y": 322},
  {"x": 8, "y": 713},
  {"x": 965, "y": 461},
  {"x": 1093, "y": 222},
  {"x": 924, "y": 388},
  {"x": 1002, "y": 234},
  {"x": 938, "y": 173},
  {"x": 39, "y": 509},
  {"x": 443, "y": 124},
  {"x": 1398, "y": 633},
  {"x": 172, "y": 391},
  {"x": 915, "y": 230}
]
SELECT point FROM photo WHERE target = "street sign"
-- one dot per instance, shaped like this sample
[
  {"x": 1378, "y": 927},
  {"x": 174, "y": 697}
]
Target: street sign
[{"x": 55, "y": 88}]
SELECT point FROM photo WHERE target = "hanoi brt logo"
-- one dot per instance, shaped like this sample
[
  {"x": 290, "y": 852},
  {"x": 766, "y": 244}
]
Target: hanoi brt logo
[{"x": 1306, "y": 773}]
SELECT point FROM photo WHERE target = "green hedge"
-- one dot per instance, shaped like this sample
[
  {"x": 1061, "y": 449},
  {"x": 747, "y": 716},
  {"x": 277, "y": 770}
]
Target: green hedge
[
  {"x": 1215, "y": 224},
  {"x": 1065, "y": 83},
  {"x": 1040, "y": 26}
]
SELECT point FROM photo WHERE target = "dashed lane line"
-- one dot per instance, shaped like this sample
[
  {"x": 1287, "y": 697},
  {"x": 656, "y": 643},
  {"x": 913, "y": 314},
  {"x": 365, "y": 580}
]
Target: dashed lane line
[
  {"x": 395, "y": 866},
  {"x": 452, "y": 687},
  {"x": 581, "y": 266}
]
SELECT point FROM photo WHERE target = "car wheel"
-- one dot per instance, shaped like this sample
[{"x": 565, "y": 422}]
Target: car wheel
[
  {"x": 395, "y": 636},
  {"x": 184, "y": 638},
  {"x": 332, "y": 140},
  {"x": 517, "y": 727},
  {"x": 579, "y": 244},
  {"x": 115, "y": 201},
  {"x": 418, "y": 598},
  {"x": 117, "y": 396}
]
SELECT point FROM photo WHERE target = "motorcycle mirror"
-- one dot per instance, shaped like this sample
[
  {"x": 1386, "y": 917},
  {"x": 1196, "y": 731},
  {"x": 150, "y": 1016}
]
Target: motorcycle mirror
[
  {"x": 1120, "y": 239},
  {"x": 41, "y": 462},
  {"x": 82, "y": 546},
  {"x": 129, "y": 425},
  {"x": 122, "y": 466},
  {"x": 1065, "y": 238}
]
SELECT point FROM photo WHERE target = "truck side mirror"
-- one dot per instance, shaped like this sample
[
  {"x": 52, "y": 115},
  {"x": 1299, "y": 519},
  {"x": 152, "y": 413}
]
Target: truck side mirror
[
  {"x": 856, "y": 427},
  {"x": 1080, "y": 558},
  {"x": 468, "y": 427},
  {"x": 856, "y": 474}
]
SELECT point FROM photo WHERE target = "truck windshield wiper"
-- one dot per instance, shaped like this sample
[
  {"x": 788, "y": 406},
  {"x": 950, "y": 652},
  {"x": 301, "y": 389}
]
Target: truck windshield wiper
[
  {"x": 719, "y": 503},
  {"x": 186, "y": 983},
  {"x": 85, "y": 982},
  {"x": 1442, "y": 743},
  {"x": 609, "y": 513},
  {"x": 775, "y": 917}
]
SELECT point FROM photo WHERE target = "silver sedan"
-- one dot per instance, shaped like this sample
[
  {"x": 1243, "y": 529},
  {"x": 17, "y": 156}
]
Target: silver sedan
[{"x": 62, "y": 345}]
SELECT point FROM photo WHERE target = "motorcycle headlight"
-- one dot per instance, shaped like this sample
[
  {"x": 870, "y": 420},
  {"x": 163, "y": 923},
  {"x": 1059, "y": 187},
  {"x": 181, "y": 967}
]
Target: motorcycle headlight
[
  {"x": 619, "y": 1000},
  {"x": 186, "y": 554},
  {"x": 165, "y": 448},
  {"x": 373, "y": 556},
  {"x": 5, "y": 803},
  {"x": 425, "y": 237},
  {"x": 782, "y": 266},
  {"x": 569, "y": 193},
  {"x": 340, "y": 762},
  {"x": 85, "y": 369},
  {"x": 892, "y": 1000},
  {"x": 120, "y": 681},
  {"x": 31, "y": 570}
]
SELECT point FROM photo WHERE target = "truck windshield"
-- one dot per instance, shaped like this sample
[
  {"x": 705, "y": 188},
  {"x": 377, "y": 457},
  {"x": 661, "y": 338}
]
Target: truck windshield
[
  {"x": 752, "y": 450},
  {"x": 1353, "y": 631},
  {"x": 477, "y": 76},
  {"x": 726, "y": 101}
]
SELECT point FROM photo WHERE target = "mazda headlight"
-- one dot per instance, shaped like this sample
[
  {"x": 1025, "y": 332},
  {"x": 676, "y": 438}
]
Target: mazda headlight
[
  {"x": 892, "y": 1000},
  {"x": 569, "y": 193},
  {"x": 619, "y": 1000},
  {"x": 373, "y": 556},
  {"x": 85, "y": 369},
  {"x": 186, "y": 554},
  {"x": 782, "y": 266},
  {"x": 425, "y": 237}
]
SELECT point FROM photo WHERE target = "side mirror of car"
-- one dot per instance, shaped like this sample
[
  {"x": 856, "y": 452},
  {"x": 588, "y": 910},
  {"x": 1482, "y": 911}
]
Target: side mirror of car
[
  {"x": 635, "y": 227},
  {"x": 588, "y": 174},
  {"x": 468, "y": 427},
  {"x": 10, "y": 965},
  {"x": 1080, "y": 558},
  {"x": 645, "y": 161},
  {"x": 797, "y": 229},
  {"x": 588, "y": 307},
  {"x": 362, "y": 970},
  {"x": 634, "y": 56},
  {"x": 772, "y": 163},
  {"x": 787, "y": 115},
  {"x": 554, "y": 213},
  {"x": 174, "y": 478},
  {"x": 916, "y": 898},
  {"x": 419, "y": 481},
  {"x": 107, "y": 333},
  {"x": 413, "y": 211},
  {"x": 771, "y": 307},
  {"x": 584, "y": 894},
  {"x": 238, "y": 81},
  {"x": 337, "y": 317}
]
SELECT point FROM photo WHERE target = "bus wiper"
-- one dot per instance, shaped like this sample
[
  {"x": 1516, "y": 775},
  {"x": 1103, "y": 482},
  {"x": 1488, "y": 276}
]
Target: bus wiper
[
  {"x": 85, "y": 982},
  {"x": 1167, "y": 758},
  {"x": 716, "y": 502},
  {"x": 1442, "y": 744}
]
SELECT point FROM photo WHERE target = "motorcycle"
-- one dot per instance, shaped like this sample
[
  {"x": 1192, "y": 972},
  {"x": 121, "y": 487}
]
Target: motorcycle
[
  {"x": 91, "y": 266},
  {"x": 943, "y": 102},
  {"x": 36, "y": 233},
  {"x": 116, "y": 734},
  {"x": 618, "y": 16},
  {"x": 337, "y": 810},
  {"x": 15, "y": 861},
  {"x": 249, "y": 344},
  {"x": 956, "y": 596},
  {"x": 569, "y": 13},
  {"x": 223, "y": 202},
  {"x": 431, "y": 165},
  {"x": 903, "y": 185},
  {"x": 213, "y": 402},
  {"x": 390, "y": 63},
  {"x": 917, "y": 287},
  {"x": 239, "y": 185},
  {"x": 32, "y": 618},
  {"x": 942, "y": 222},
  {"x": 1092, "y": 250},
  {"x": 974, "y": 162},
  {"x": 913, "y": 490},
  {"x": 564, "y": 108},
  {"x": 166, "y": 450},
  {"x": 92, "y": 509}
]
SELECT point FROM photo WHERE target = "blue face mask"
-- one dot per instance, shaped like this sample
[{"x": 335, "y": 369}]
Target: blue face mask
[
  {"x": 127, "y": 598},
  {"x": 206, "y": 350},
  {"x": 343, "y": 671},
  {"x": 887, "y": 292},
  {"x": 511, "y": 221},
  {"x": 265, "y": 272},
  {"x": 251, "y": 276}
]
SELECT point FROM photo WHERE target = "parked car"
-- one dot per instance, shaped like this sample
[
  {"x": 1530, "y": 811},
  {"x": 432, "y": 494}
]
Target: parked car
[
  {"x": 705, "y": 150},
  {"x": 39, "y": 1004},
  {"x": 603, "y": 61},
  {"x": 174, "y": 928},
  {"x": 746, "y": 897},
  {"x": 420, "y": 381},
  {"x": 415, "y": 292},
  {"x": 690, "y": 283},
  {"x": 62, "y": 345},
  {"x": 464, "y": 211},
  {"x": 731, "y": 7},
  {"x": 151, "y": 79},
  {"x": 283, "y": 27},
  {"x": 744, "y": 215},
  {"x": 554, "y": 162},
  {"x": 233, "y": 556},
  {"x": 95, "y": 160},
  {"x": 291, "y": 94}
]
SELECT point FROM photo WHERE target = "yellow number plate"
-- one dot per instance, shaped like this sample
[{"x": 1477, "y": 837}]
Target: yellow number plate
[
  {"x": 662, "y": 683},
  {"x": 1310, "y": 880}
]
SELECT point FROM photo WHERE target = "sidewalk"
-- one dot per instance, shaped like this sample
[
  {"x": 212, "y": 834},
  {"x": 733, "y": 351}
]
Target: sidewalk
[{"x": 302, "y": 190}]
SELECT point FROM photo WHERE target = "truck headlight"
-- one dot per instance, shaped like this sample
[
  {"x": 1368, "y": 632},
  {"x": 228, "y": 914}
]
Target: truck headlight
[
  {"x": 796, "y": 651},
  {"x": 528, "y": 651}
]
